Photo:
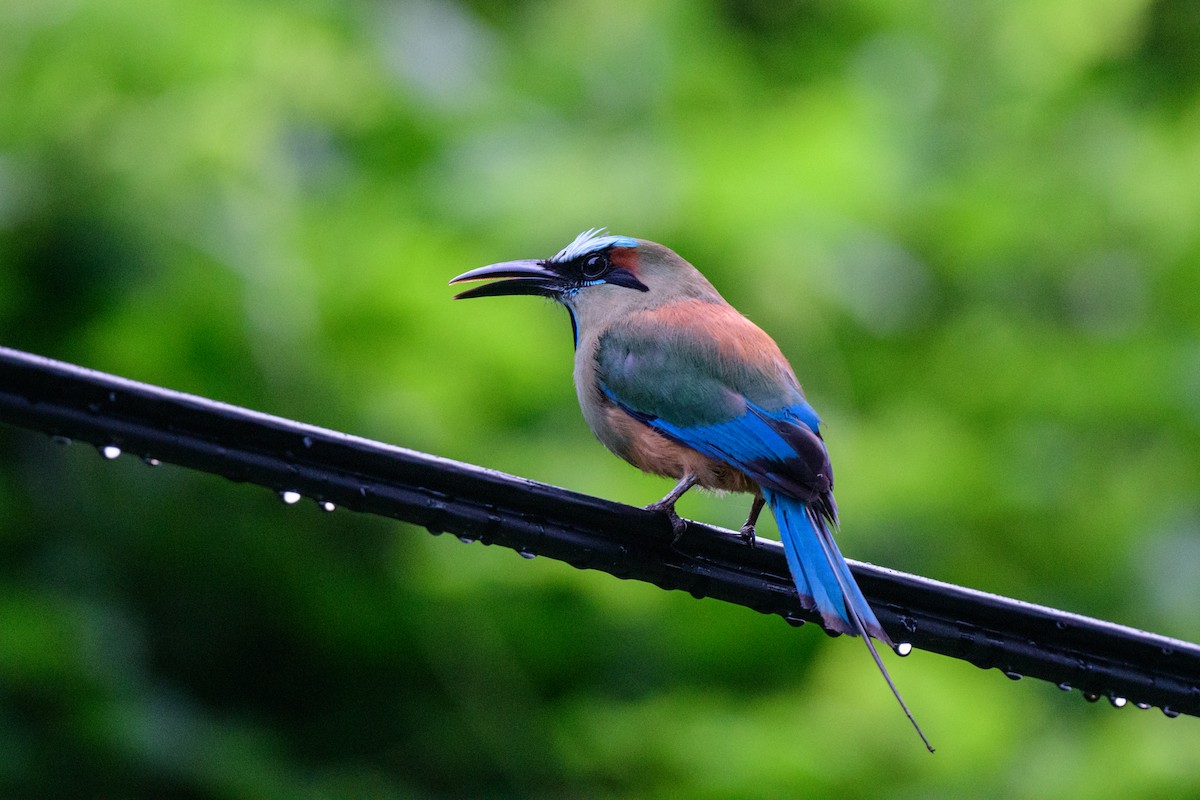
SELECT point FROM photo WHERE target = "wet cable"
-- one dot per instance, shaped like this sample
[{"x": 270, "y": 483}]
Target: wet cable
[{"x": 119, "y": 416}]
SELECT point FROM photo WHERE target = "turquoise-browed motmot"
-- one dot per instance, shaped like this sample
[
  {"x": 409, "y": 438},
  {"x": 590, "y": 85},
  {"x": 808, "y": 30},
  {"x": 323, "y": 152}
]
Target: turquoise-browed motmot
[{"x": 675, "y": 381}]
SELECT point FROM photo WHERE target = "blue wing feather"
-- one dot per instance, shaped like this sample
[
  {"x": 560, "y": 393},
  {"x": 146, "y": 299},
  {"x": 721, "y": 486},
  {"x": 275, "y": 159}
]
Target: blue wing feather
[
  {"x": 782, "y": 450},
  {"x": 779, "y": 449}
]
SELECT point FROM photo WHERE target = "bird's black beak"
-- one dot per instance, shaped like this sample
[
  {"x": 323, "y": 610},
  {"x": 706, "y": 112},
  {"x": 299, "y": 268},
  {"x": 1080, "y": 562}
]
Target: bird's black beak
[{"x": 521, "y": 277}]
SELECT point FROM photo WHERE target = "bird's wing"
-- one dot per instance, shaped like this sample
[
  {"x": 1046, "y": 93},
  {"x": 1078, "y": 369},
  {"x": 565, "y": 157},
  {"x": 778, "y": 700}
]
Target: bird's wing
[{"x": 713, "y": 381}]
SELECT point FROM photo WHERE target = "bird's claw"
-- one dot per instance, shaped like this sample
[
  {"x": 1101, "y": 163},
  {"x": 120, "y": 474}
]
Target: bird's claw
[
  {"x": 747, "y": 534},
  {"x": 678, "y": 523}
]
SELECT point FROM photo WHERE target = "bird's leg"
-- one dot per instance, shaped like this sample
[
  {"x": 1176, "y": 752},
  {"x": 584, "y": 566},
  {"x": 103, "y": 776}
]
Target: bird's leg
[
  {"x": 667, "y": 504},
  {"x": 756, "y": 508}
]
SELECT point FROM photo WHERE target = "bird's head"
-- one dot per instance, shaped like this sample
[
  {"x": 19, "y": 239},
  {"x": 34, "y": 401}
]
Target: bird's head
[{"x": 595, "y": 272}]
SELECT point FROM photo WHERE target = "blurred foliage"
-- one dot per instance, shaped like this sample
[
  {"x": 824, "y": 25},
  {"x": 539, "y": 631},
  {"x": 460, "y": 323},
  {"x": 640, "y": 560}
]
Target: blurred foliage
[{"x": 971, "y": 226}]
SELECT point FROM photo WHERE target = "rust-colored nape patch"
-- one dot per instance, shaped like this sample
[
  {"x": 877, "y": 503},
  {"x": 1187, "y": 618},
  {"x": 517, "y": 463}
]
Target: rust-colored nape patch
[{"x": 625, "y": 257}]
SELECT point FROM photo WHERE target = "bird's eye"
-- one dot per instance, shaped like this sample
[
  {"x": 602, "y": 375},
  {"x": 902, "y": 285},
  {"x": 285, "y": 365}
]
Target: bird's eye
[{"x": 595, "y": 266}]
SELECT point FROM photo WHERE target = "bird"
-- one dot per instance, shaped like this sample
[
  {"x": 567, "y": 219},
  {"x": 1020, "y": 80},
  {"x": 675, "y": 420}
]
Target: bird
[{"x": 677, "y": 382}]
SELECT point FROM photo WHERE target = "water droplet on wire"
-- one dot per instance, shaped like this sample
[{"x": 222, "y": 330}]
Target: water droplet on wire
[
  {"x": 290, "y": 497},
  {"x": 1117, "y": 702},
  {"x": 110, "y": 451},
  {"x": 327, "y": 506},
  {"x": 1170, "y": 712},
  {"x": 904, "y": 648},
  {"x": 61, "y": 440}
]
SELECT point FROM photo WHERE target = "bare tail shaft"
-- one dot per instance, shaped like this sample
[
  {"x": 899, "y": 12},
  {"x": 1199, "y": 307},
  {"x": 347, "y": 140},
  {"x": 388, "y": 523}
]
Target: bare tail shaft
[{"x": 823, "y": 579}]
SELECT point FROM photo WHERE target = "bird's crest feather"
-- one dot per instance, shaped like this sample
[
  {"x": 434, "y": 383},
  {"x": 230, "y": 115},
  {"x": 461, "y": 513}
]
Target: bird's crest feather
[{"x": 591, "y": 241}]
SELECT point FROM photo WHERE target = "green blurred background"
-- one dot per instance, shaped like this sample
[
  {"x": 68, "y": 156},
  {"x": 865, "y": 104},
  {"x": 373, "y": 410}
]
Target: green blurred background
[{"x": 972, "y": 227}]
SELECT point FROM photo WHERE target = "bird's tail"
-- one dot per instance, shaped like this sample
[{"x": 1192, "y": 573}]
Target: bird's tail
[{"x": 824, "y": 581}]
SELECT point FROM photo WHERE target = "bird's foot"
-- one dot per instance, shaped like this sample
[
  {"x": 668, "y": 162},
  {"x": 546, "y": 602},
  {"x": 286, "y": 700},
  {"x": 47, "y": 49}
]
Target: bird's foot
[
  {"x": 756, "y": 508},
  {"x": 678, "y": 524}
]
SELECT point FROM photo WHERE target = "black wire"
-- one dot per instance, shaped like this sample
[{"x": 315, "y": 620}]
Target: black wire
[{"x": 1101, "y": 659}]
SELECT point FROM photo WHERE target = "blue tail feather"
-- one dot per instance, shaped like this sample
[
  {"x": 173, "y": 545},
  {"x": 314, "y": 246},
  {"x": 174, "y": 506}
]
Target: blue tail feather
[
  {"x": 823, "y": 579},
  {"x": 821, "y": 574}
]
